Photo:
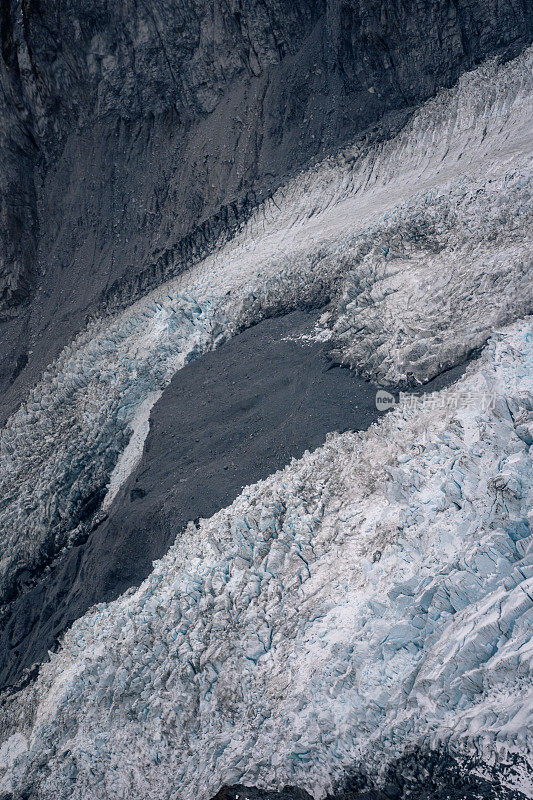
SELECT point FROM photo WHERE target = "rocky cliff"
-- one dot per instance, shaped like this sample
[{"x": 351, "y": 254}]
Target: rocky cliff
[{"x": 136, "y": 134}]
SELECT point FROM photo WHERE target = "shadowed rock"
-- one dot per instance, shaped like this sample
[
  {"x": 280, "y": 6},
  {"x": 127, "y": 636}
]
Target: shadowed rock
[{"x": 136, "y": 135}]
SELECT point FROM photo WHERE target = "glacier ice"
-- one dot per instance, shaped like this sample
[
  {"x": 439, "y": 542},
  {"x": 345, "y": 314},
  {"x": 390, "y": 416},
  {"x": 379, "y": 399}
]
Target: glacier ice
[
  {"x": 421, "y": 242},
  {"x": 375, "y": 595}
]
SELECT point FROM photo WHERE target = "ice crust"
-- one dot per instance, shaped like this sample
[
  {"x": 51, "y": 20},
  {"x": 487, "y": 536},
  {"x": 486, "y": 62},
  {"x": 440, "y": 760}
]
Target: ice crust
[
  {"x": 376, "y": 594},
  {"x": 423, "y": 243}
]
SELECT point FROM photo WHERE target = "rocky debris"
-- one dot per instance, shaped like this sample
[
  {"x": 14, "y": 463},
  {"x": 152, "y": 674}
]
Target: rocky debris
[
  {"x": 137, "y": 135},
  {"x": 226, "y": 420},
  {"x": 420, "y": 775}
]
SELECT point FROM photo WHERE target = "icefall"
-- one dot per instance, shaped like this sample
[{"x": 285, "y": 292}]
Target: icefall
[
  {"x": 373, "y": 596},
  {"x": 422, "y": 243}
]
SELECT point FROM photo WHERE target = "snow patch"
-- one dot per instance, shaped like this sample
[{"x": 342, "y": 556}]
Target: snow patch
[{"x": 130, "y": 457}]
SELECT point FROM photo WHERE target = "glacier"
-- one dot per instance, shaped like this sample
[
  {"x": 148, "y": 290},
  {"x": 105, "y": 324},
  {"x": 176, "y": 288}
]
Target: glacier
[
  {"x": 374, "y": 596},
  {"x": 420, "y": 244}
]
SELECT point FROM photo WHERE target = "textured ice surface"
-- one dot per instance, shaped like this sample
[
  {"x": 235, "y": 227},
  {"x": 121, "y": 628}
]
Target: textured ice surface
[
  {"x": 422, "y": 242},
  {"x": 375, "y": 594}
]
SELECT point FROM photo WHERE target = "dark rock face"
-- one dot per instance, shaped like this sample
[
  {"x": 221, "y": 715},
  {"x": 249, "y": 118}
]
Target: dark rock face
[
  {"x": 134, "y": 135},
  {"x": 433, "y": 775}
]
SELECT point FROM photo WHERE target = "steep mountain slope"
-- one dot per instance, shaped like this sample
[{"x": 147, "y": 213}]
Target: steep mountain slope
[
  {"x": 434, "y": 221},
  {"x": 136, "y": 134},
  {"x": 356, "y": 625}
]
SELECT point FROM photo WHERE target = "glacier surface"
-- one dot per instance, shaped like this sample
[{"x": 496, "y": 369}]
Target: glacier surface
[
  {"x": 373, "y": 596},
  {"x": 422, "y": 244}
]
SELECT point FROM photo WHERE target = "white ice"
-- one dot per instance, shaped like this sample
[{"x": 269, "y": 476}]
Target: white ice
[
  {"x": 374, "y": 595},
  {"x": 423, "y": 242}
]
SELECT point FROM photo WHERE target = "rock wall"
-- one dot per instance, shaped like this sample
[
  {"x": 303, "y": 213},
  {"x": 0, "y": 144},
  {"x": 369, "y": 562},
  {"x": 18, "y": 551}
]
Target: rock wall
[{"x": 136, "y": 135}]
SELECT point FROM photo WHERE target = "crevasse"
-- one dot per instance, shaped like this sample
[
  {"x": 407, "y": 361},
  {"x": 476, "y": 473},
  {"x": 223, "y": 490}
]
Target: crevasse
[
  {"x": 402, "y": 236},
  {"x": 373, "y": 596}
]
